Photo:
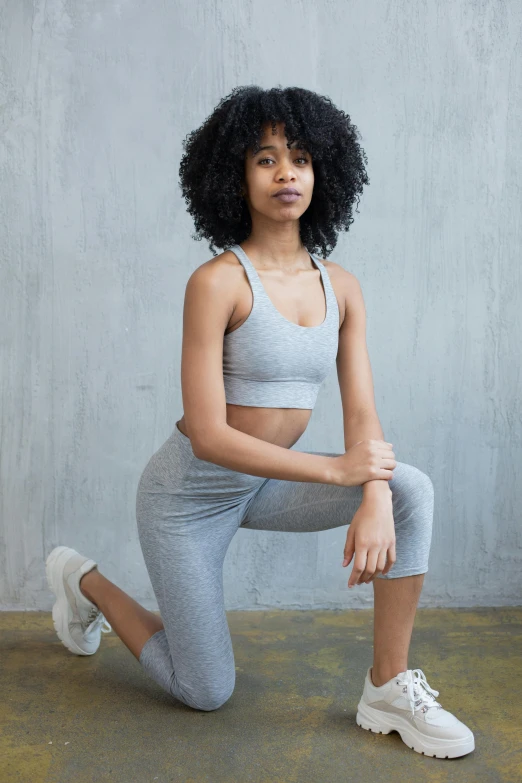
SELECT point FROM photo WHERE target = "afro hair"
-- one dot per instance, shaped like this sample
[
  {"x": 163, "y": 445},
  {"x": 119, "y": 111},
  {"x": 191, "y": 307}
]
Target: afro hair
[{"x": 212, "y": 168}]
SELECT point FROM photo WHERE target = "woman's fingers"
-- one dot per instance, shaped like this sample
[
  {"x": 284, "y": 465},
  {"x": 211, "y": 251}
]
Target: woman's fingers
[
  {"x": 379, "y": 568},
  {"x": 391, "y": 558},
  {"x": 358, "y": 566},
  {"x": 349, "y": 547},
  {"x": 368, "y": 563},
  {"x": 371, "y": 565}
]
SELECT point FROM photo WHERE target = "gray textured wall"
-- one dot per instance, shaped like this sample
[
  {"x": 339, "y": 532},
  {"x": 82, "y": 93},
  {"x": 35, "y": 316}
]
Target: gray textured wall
[{"x": 96, "y": 250}]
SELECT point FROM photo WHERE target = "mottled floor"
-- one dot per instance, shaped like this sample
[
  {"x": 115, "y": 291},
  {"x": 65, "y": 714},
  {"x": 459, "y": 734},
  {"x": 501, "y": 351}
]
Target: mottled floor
[{"x": 291, "y": 718}]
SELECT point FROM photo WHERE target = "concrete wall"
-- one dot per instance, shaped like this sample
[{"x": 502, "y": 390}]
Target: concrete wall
[{"x": 96, "y": 250}]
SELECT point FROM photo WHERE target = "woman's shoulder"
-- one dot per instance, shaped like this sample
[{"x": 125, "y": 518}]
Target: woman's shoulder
[
  {"x": 217, "y": 282},
  {"x": 344, "y": 284},
  {"x": 339, "y": 276},
  {"x": 221, "y": 265}
]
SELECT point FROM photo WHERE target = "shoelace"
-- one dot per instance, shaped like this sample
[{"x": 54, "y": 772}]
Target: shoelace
[
  {"x": 94, "y": 619},
  {"x": 416, "y": 677}
]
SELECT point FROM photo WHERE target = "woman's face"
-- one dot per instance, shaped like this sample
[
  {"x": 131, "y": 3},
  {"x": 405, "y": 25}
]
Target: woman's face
[{"x": 276, "y": 167}]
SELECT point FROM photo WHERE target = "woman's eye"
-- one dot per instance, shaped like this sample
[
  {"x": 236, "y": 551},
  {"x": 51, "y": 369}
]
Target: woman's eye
[{"x": 270, "y": 159}]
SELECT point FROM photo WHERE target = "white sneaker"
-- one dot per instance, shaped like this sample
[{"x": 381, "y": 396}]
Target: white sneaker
[
  {"x": 406, "y": 704},
  {"x": 77, "y": 621}
]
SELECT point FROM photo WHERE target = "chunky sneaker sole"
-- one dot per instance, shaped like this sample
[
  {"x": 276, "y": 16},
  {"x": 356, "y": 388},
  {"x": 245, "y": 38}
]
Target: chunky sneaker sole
[
  {"x": 77, "y": 621},
  {"x": 374, "y": 720}
]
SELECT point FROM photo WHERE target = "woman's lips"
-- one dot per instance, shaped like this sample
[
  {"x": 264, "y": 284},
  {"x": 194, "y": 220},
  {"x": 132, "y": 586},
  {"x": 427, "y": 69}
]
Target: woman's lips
[{"x": 288, "y": 197}]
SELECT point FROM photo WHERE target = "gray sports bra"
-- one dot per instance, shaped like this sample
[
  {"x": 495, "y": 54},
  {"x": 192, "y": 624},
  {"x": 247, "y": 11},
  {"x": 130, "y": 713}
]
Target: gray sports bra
[{"x": 271, "y": 362}]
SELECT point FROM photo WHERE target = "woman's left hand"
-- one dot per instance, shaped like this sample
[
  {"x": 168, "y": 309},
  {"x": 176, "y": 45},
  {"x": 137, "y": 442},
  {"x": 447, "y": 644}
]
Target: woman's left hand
[{"x": 371, "y": 537}]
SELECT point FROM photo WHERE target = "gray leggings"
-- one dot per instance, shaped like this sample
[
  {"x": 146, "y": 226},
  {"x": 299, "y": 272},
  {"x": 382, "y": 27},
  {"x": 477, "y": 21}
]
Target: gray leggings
[{"x": 188, "y": 511}]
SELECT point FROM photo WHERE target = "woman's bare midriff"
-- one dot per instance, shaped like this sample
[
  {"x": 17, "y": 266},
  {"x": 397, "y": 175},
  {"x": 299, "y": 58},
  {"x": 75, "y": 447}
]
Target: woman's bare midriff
[{"x": 280, "y": 426}]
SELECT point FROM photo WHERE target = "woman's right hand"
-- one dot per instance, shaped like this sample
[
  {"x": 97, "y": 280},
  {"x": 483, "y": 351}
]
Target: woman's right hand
[{"x": 365, "y": 461}]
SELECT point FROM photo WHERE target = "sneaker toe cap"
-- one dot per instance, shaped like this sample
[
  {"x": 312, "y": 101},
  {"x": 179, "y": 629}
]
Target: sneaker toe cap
[{"x": 443, "y": 724}]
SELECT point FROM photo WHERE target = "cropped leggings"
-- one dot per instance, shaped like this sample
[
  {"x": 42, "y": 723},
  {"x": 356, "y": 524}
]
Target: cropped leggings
[{"x": 188, "y": 511}]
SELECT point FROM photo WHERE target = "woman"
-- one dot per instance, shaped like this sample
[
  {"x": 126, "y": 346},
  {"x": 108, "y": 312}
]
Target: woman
[{"x": 271, "y": 176}]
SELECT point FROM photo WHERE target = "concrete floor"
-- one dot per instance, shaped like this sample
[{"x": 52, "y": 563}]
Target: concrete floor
[{"x": 291, "y": 718}]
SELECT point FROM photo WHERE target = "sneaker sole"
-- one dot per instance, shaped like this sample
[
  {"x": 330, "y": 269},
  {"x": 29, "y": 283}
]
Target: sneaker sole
[
  {"x": 374, "y": 720},
  {"x": 61, "y": 609}
]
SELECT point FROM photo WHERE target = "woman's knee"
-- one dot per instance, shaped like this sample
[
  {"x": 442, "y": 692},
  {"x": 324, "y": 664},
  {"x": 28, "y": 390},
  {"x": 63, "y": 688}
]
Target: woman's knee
[
  {"x": 206, "y": 696},
  {"x": 412, "y": 493},
  {"x": 410, "y": 483},
  {"x": 210, "y": 700}
]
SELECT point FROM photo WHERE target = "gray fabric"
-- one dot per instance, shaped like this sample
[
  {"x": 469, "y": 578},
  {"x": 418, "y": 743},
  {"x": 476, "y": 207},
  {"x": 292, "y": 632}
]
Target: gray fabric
[
  {"x": 271, "y": 362},
  {"x": 188, "y": 511}
]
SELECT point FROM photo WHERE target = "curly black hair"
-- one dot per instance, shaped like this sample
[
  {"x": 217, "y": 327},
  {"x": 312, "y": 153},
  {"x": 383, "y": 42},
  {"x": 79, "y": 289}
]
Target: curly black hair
[{"x": 212, "y": 167}]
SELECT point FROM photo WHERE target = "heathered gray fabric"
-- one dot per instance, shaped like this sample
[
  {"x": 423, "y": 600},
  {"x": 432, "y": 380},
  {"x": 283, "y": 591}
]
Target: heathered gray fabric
[
  {"x": 188, "y": 511},
  {"x": 271, "y": 362}
]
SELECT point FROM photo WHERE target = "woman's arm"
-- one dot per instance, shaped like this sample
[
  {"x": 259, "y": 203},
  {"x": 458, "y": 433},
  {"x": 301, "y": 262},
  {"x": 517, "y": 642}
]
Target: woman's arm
[
  {"x": 209, "y": 303},
  {"x": 354, "y": 372},
  {"x": 238, "y": 451},
  {"x": 364, "y": 426}
]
